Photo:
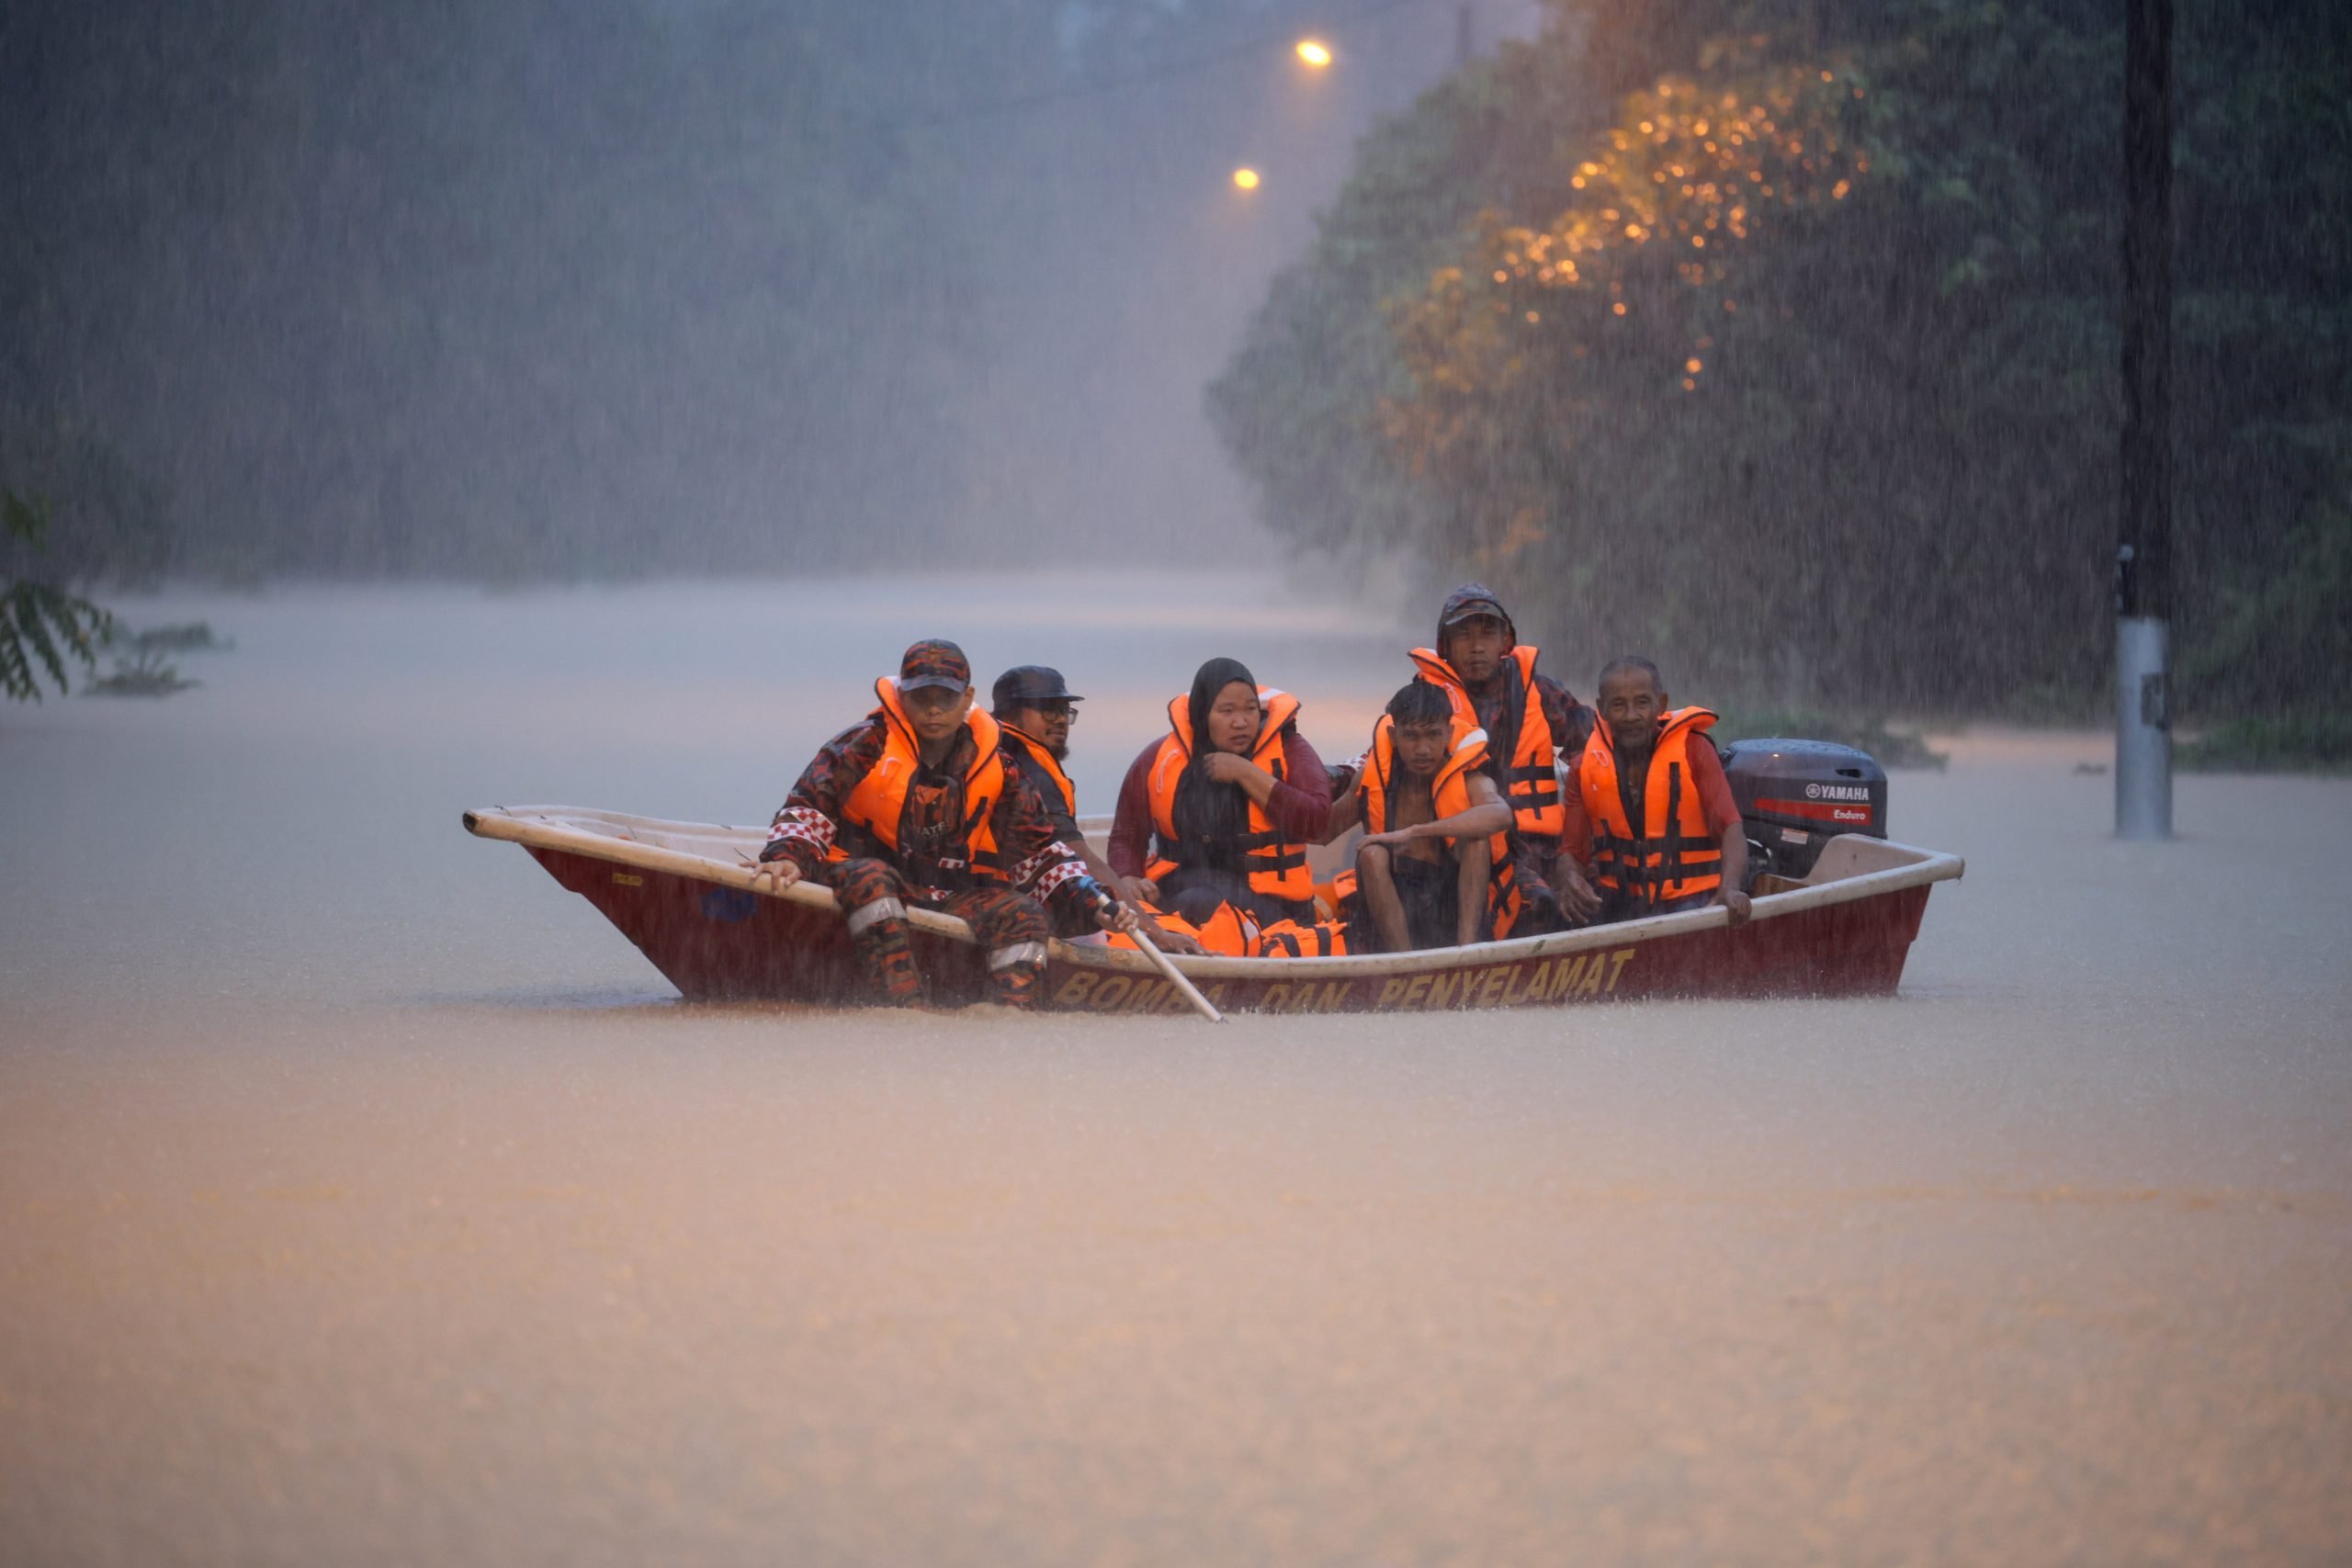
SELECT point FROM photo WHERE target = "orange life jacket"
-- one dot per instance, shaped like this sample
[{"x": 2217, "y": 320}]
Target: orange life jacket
[
  {"x": 1531, "y": 782},
  {"x": 1276, "y": 867},
  {"x": 1229, "y": 931},
  {"x": 877, "y": 807},
  {"x": 1450, "y": 793},
  {"x": 1290, "y": 939},
  {"x": 1668, "y": 854},
  {"x": 1041, "y": 754}
]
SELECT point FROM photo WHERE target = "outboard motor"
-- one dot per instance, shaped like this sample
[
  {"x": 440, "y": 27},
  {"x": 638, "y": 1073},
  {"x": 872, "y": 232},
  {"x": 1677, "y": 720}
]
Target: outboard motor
[{"x": 1796, "y": 796}]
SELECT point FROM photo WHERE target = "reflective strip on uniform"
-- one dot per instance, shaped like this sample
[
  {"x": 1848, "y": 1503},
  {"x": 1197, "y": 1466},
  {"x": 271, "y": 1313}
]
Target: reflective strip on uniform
[
  {"x": 880, "y": 909},
  {"x": 1017, "y": 952}
]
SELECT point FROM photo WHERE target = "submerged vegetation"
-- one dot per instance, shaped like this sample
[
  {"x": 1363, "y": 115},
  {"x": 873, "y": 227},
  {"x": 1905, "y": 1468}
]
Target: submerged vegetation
[
  {"x": 140, "y": 669},
  {"x": 141, "y": 672},
  {"x": 44, "y": 630},
  {"x": 1779, "y": 340}
]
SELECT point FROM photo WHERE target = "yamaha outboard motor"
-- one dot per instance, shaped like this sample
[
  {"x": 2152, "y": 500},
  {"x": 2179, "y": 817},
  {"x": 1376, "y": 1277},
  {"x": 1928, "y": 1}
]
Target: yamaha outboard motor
[{"x": 1798, "y": 795}]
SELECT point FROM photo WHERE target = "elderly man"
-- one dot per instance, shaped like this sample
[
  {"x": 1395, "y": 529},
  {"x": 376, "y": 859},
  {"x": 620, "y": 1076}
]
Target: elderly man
[
  {"x": 1649, "y": 807},
  {"x": 915, "y": 804}
]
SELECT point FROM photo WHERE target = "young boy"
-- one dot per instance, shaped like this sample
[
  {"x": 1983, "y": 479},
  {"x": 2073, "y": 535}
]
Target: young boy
[
  {"x": 1433, "y": 819},
  {"x": 1651, "y": 815}
]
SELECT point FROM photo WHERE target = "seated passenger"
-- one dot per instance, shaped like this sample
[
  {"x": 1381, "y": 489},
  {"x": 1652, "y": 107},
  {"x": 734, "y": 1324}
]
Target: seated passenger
[
  {"x": 1226, "y": 805},
  {"x": 1034, "y": 711},
  {"x": 1433, "y": 819},
  {"x": 1530, "y": 720},
  {"x": 914, "y": 804},
  {"x": 1650, "y": 812}
]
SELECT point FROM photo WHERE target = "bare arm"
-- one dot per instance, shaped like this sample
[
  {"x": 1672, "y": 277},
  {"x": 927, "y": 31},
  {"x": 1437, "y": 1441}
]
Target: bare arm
[
  {"x": 1488, "y": 814},
  {"x": 1476, "y": 871},
  {"x": 1131, "y": 831},
  {"x": 1346, "y": 812},
  {"x": 1721, "y": 807},
  {"x": 1096, "y": 866},
  {"x": 1734, "y": 871}
]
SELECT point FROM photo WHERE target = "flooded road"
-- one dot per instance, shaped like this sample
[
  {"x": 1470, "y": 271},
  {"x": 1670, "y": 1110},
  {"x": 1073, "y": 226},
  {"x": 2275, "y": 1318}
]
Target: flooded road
[{"x": 365, "y": 1197}]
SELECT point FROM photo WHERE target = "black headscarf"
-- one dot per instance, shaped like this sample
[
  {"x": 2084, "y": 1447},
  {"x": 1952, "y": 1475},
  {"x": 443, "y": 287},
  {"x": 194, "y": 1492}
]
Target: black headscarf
[{"x": 1211, "y": 817}]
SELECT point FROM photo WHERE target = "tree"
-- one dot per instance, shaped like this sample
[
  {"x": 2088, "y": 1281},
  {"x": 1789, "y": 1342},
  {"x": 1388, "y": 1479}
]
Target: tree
[{"x": 1793, "y": 361}]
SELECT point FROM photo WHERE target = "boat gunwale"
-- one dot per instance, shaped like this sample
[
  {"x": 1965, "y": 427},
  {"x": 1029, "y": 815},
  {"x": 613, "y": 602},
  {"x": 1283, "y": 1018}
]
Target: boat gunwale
[{"x": 516, "y": 825}]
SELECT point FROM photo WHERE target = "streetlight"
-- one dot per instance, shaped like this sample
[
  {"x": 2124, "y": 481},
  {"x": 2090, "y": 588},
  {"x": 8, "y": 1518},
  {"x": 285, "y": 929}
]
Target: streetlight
[
  {"x": 1315, "y": 52},
  {"x": 1245, "y": 179}
]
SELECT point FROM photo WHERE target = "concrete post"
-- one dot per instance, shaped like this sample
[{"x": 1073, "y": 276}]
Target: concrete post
[{"x": 2142, "y": 730}]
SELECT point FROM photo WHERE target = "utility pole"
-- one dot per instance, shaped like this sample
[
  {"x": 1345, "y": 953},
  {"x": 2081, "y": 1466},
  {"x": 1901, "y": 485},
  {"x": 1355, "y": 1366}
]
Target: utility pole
[{"x": 2143, "y": 556}]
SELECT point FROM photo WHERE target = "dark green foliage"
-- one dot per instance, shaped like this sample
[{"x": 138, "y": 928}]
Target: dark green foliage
[
  {"x": 2278, "y": 630},
  {"x": 2295, "y": 742},
  {"x": 1299, "y": 405},
  {"x": 42, "y": 628},
  {"x": 1891, "y": 480}
]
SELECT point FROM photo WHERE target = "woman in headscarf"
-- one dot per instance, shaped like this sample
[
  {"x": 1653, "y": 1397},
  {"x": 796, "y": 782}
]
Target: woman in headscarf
[{"x": 1223, "y": 807}]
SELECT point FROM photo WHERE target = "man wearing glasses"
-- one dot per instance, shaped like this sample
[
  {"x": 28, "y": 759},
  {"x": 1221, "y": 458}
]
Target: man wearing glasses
[{"x": 1035, "y": 710}]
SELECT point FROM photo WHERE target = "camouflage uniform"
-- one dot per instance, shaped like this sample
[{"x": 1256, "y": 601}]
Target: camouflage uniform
[{"x": 876, "y": 882}]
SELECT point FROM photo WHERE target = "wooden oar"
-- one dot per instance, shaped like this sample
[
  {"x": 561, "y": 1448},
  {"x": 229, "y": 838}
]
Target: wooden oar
[{"x": 1190, "y": 993}]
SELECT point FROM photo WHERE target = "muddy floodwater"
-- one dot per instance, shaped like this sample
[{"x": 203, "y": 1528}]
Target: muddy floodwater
[{"x": 366, "y": 1199}]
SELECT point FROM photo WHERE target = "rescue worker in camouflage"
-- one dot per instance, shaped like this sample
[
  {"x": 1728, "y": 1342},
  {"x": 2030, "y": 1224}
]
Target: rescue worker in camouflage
[
  {"x": 915, "y": 806},
  {"x": 1035, "y": 708}
]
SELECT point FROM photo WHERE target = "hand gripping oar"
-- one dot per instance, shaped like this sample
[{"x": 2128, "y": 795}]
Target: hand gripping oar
[{"x": 1167, "y": 966}]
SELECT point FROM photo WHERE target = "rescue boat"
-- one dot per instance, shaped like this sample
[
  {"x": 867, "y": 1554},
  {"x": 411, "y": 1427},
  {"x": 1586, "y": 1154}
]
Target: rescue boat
[{"x": 682, "y": 893}]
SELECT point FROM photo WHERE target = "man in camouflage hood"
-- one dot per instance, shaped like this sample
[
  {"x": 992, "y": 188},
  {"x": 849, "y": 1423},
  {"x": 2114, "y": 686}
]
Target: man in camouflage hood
[{"x": 1528, "y": 719}]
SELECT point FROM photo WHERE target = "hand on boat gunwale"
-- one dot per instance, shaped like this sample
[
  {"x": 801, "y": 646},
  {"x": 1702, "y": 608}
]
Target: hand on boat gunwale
[
  {"x": 1176, "y": 942},
  {"x": 1577, "y": 895},
  {"x": 1732, "y": 898},
  {"x": 776, "y": 874}
]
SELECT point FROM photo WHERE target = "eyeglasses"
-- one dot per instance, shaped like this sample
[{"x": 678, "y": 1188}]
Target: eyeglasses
[{"x": 1068, "y": 711}]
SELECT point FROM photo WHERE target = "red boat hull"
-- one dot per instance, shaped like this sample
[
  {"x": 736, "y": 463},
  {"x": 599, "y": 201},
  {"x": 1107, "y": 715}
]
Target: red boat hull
[{"x": 718, "y": 943}]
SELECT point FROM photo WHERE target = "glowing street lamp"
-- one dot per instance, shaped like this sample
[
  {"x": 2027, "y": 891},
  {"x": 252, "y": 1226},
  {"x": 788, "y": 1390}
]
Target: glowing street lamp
[
  {"x": 1315, "y": 52},
  {"x": 1245, "y": 179}
]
